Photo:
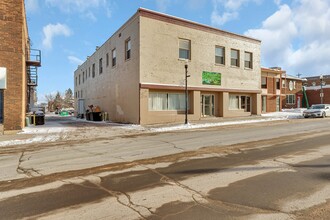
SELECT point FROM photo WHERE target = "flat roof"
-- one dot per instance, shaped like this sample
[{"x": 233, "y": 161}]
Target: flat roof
[{"x": 190, "y": 24}]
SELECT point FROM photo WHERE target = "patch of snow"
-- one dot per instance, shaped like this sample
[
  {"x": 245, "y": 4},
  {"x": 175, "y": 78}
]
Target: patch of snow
[
  {"x": 284, "y": 115},
  {"x": 195, "y": 126},
  {"x": 39, "y": 139}
]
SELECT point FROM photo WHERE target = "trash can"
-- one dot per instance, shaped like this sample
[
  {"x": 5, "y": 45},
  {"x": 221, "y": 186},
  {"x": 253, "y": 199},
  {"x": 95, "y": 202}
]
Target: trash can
[
  {"x": 88, "y": 115},
  {"x": 96, "y": 116},
  {"x": 40, "y": 118}
]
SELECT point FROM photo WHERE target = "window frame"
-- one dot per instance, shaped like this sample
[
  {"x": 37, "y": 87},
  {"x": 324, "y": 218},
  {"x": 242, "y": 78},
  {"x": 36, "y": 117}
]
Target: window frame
[
  {"x": 277, "y": 83},
  {"x": 167, "y": 104},
  {"x": 293, "y": 100},
  {"x": 93, "y": 70},
  {"x": 128, "y": 49},
  {"x": 223, "y": 57},
  {"x": 114, "y": 57},
  {"x": 107, "y": 59},
  {"x": 237, "y": 60},
  {"x": 264, "y": 85},
  {"x": 188, "y": 51},
  {"x": 250, "y": 66},
  {"x": 100, "y": 66}
]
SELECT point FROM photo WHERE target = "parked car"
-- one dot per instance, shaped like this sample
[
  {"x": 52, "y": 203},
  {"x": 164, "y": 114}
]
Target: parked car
[{"x": 319, "y": 110}]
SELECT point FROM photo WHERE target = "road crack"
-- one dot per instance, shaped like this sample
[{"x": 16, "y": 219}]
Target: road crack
[{"x": 26, "y": 171}]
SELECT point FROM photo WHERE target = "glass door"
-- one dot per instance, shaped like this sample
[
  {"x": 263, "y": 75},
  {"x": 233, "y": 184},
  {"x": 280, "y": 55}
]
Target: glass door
[{"x": 207, "y": 105}]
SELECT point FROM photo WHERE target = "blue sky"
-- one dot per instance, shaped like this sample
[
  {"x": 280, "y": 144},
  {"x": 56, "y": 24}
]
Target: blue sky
[{"x": 295, "y": 34}]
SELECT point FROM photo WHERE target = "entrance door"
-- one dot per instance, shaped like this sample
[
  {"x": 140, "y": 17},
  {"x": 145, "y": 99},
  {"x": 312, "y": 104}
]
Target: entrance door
[
  {"x": 207, "y": 105},
  {"x": 278, "y": 103},
  {"x": 298, "y": 102},
  {"x": 81, "y": 106}
]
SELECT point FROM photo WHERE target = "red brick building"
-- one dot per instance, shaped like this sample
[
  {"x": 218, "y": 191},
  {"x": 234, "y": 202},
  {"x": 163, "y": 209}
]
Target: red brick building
[
  {"x": 19, "y": 63},
  {"x": 292, "y": 91},
  {"x": 271, "y": 89},
  {"x": 313, "y": 89}
]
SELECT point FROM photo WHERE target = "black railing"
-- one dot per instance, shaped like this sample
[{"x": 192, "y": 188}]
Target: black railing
[
  {"x": 32, "y": 76},
  {"x": 34, "y": 58}
]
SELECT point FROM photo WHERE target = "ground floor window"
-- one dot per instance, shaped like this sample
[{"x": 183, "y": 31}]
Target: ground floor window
[
  {"x": 264, "y": 104},
  {"x": 162, "y": 101},
  {"x": 237, "y": 102},
  {"x": 291, "y": 99},
  {"x": 1, "y": 106}
]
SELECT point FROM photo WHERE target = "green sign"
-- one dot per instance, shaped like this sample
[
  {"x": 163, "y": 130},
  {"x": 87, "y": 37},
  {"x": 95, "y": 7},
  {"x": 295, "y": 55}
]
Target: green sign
[{"x": 211, "y": 78}]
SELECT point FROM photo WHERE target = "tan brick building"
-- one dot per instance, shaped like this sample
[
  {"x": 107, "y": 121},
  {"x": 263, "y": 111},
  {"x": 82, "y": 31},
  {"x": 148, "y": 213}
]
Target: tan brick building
[
  {"x": 138, "y": 74},
  {"x": 15, "y": 59},
  {"x": 271, "y": 89}
]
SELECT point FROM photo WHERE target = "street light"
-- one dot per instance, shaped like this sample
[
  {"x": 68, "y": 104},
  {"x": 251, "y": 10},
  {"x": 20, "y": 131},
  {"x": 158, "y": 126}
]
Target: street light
[
  {"x": 186, "y": 91},
  {"x": 321, "y": 92}
]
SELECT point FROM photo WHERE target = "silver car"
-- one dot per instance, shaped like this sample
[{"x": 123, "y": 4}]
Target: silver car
[{"x": 319, "y": 110}]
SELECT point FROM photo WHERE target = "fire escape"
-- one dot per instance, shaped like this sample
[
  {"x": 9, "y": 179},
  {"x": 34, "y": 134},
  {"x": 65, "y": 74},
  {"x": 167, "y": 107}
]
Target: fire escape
[{"x": 33, "y": 61}]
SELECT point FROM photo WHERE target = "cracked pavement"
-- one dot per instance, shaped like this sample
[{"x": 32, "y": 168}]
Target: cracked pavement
[{"x": 273, "y": 170}]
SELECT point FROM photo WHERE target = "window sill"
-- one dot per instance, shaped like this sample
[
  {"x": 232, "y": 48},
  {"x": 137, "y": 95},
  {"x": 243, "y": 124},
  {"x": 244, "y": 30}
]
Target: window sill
[
  {"x": 237, "y": 67},
  {"x": 220, "y": 64}
]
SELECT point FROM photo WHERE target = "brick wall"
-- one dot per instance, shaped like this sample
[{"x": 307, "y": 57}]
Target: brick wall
[
  {"x": 13, "y": 39},
  {"x": 314, "y": 96}
]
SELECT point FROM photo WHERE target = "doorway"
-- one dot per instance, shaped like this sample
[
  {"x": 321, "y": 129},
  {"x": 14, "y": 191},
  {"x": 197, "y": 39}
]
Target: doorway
[{"x": 207, "y": 105}]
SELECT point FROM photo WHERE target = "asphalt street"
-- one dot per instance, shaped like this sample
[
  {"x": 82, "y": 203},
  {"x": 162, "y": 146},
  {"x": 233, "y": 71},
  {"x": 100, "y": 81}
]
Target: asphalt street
[{"x": 273, "y": 170}]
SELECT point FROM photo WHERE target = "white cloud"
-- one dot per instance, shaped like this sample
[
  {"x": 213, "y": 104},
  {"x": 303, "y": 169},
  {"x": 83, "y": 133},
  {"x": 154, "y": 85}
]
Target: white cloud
[
  {"x": 162, "y": 4},
  {"x": 227, "y": 10},
  {"x": 52, "y": 30},
  {"x": 75, "y": 60},
  {"x": 296, "y": 37},
  {"x": 84, "y": 7},
  {"x": 32, "y": 5}
]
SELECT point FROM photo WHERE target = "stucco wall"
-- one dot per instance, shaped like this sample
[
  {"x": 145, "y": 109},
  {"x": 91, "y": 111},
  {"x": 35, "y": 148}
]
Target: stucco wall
[{"x": 116, "y": 90}]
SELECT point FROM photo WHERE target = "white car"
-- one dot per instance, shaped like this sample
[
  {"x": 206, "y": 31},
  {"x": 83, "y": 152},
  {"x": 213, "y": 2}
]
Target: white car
[{"x": 319, "y": 110}]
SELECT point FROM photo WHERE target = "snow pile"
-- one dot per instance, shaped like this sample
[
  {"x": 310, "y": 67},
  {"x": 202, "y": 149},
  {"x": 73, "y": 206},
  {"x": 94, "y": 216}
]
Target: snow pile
[
  {"x": 207, "y": 125},
  {"x": 284, "y": 115},
  {"x": 49, "y": 128}
]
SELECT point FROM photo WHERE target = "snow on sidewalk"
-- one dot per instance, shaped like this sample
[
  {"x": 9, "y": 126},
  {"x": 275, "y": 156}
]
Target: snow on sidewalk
[{"x": 52, "y": 131}]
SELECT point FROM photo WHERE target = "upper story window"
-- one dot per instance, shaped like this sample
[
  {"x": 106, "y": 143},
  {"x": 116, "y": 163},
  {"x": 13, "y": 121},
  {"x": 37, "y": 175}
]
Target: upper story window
[
  {"x": 234, "y": 61},
  {"x": 283, "y": 83},
  {"x": 128, "y": 49},
  {"x": 100, "y": 66},
  {"x": 263, "y": 82},
  {"x": 114, "y": 57},
  {"x": 248, "y": 60},
  {"x": 79, "y": 79},
  {"x": 83, "y": 78},
  {"x": 93, "y": 70},
  {"x": 184, "y": 49},
  {"x": 89, "y": 71},
  {"x": 278, "y": 84},
  {"x": 219, "y": 55},
  {"x": 107, "y": 59},
  {"x": 76, "y": 81}
]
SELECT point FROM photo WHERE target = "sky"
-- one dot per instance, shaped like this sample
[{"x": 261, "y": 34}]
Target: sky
[{"x": 294, "y": 33}]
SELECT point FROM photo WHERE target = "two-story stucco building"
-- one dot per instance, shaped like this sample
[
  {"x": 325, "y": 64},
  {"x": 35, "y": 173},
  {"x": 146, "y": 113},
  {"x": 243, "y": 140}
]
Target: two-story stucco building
[{"x": 138, "y": 74}]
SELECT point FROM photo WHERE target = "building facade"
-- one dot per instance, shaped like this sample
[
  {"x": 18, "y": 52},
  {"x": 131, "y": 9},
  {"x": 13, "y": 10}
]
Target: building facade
[
  {"x": 271, "y": 82},
  {"x": 292, "y": 89},
  {"x": 315, "y": 92},
  {"x": 17, "y": 67},
  {"x": 138, "y": 74}
]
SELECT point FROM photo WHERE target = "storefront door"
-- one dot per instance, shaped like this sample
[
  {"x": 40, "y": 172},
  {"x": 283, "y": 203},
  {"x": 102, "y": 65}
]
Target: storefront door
[{"x": 207, "y": 105}]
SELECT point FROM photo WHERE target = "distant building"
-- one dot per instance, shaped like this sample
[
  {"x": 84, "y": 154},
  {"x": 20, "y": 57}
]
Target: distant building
[
  {"x": 271, "y": 89},
  {"x": 18, "y": 66},
  {"x": 314, "y": 89},
  {"x": 138, "y": 74},
  {"x": 292, "y": 89}
]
